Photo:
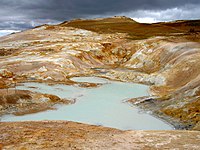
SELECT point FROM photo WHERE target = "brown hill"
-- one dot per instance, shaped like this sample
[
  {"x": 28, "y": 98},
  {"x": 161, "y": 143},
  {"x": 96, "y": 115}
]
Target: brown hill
[
  {"x": 165, "y": 56},
  {"x": 135, "y": 30}
]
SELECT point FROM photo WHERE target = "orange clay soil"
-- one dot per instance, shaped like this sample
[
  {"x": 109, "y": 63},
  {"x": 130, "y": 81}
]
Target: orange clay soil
[
  {"x": 21, "y": 102},
  {"x": 70, "y": 135},
  {"x": 165, "y": 56}
]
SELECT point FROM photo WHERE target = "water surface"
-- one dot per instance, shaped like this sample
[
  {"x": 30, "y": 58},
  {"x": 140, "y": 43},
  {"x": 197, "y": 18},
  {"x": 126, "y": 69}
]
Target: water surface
[{"x": 102, "y": 105}]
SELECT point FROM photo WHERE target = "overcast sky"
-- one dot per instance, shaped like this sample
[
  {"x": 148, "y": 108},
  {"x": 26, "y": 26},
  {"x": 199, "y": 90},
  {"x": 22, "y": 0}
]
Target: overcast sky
[{"x": 23, "y": 14}]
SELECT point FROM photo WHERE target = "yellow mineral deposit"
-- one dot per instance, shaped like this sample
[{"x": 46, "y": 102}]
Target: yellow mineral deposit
[{"x": 165, "y": 56}]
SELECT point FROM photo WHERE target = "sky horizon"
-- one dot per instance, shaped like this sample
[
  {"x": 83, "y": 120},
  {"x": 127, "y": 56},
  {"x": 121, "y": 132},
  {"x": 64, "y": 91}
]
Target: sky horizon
[{"x": 17, "y": 15}]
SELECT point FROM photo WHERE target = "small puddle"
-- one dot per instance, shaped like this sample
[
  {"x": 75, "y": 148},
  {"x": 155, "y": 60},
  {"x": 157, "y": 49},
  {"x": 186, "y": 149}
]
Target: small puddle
[{"x": 98, "y": 106}]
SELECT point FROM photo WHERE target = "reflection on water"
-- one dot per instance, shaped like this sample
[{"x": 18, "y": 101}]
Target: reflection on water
[{"x": 100, "y": 106}]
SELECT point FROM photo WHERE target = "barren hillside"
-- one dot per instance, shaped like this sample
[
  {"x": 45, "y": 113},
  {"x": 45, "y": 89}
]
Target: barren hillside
[{"x": 165, "y": 56}]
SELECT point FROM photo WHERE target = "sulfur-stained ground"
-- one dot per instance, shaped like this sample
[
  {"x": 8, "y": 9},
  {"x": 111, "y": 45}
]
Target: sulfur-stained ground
[
  {"x": 55, "y": 135},
  {"x": 165, "y": 56}
]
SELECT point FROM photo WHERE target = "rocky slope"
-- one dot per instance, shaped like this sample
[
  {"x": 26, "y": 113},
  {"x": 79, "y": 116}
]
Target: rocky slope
[{"x": 163, "y": 55}]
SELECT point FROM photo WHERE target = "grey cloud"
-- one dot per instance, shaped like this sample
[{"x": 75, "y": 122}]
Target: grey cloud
[
  {"x": 15, "y": 25},
  {"x": 177, "y": 13},
  {"x": 22, "y": 14}
]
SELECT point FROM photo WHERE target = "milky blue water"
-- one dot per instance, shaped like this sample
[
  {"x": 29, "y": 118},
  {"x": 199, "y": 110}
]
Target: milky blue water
[{"x": 103, "y": 105}]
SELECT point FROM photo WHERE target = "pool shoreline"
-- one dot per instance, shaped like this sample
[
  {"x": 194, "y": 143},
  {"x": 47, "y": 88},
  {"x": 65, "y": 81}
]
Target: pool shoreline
[{"x": 124, "y": 109}]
